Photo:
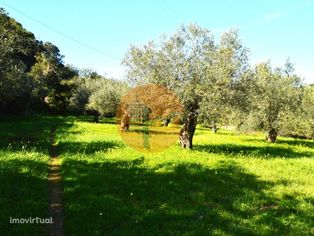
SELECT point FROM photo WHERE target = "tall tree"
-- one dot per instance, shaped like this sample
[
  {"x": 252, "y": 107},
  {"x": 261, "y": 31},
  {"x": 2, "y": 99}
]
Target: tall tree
[
  {"x": 51, "y": 78},
  {"x": 223, "y": 79},
  {"x": 17, "y": 54},
  {"x": 186, "y": 63}
]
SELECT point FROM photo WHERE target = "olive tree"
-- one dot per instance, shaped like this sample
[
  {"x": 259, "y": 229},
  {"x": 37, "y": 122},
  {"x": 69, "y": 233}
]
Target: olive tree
[
  {"x": 104, "y": 100},
  {"x": 189, "y": 63},
  {"x": 274, "y": 94},
  {"x": 95, "y": 95},
  {"x": 299, "y": 122}
]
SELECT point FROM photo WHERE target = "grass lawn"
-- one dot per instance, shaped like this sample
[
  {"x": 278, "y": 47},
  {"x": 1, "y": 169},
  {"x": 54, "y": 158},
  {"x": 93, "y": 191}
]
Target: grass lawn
[
  {"x": 24, "y": 145},
  {"x": 228, "y": 185}
]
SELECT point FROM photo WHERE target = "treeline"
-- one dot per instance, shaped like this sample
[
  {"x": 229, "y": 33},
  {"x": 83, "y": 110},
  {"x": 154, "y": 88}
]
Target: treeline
[
  {"x": 213, "y": 80},
  {"x": 217, "y": 86},
  {"x": 34, "y": 78}
]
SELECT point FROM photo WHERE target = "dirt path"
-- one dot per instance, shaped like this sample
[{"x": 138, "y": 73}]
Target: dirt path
[{"x": 55, "y": 189}]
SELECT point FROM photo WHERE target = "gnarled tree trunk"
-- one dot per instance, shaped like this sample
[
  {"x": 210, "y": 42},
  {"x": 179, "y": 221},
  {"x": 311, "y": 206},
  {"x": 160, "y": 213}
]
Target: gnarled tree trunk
[
  {"x": 214, "y": 127},
  {"x": 166, "y": 122},
  {"x": 96, "y": 118},
  {"x": 125, "y": 121},
  {"x": 272, "y": 135},
  {"x": 187, "y": 131}
]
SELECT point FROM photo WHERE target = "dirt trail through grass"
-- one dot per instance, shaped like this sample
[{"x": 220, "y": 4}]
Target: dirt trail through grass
[{"x": 55, "y": 189}]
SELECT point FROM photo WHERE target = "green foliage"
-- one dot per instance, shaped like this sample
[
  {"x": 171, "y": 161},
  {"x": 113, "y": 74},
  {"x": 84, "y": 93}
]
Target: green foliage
[
  {"x": 177, "y": 63},
  {"x": 24, "y": 156},
  {"x": 92, "y": 92},
  {"x": 31, "y": 72},
  {"x": 273, "y": 96},
  {"x": 51, "y": 78},
  {"x": 300, "y": 121},
  {"x": 212, "y": 80},
  {"x": 105, "y": 99},
  {"x": 198, "y": 70},
  {"x": 17, "y": 51},
  {"x": 201, "y": 72},
  {"x": 230, "y": 184}
]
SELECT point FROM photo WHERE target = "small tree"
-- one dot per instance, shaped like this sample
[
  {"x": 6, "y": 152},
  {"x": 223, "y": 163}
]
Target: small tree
[
  {"x": 95, "y": 95},
  {"x": 299, "y": 123},
  {"x": 104, "y": 101},
  {"x": 273, "y": 95}
]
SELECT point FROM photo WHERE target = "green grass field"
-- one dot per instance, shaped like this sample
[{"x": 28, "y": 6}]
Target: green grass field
[{"x": 228, "y": 185}]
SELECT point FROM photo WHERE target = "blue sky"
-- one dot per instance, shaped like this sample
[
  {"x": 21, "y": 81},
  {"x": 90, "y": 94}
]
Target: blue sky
[{"x": 273, "y": 30}]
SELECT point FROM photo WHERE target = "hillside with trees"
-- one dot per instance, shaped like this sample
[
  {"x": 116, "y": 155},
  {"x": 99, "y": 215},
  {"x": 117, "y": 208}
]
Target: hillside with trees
[
  {"x": 195, "y": 140},
  {"x": 212, "y": 79}
]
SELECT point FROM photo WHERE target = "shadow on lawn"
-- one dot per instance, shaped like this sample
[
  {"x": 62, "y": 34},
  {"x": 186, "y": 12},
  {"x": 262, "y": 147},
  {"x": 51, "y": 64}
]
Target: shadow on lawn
[
  {"x": 23, "y": 180},
  {"x": 153, "y": 132},
  {"x": 264, "y": 152},
  {"x": 31, "y": 133},
  {"x": 23, "y": 194},
  {"x": 298, "y": 142},
  {"x": 86, "y": 148},
  {"x": 125, "y": 198},
  {"x": 291, "y": 142}
]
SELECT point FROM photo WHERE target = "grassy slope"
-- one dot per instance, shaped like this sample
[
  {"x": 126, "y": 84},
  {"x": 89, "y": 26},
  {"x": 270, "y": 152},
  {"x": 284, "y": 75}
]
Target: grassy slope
[{"x": 228, "y": 185}]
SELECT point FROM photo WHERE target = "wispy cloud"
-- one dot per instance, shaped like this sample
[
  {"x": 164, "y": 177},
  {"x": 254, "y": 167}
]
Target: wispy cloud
[{"x": 273, "y": 16}]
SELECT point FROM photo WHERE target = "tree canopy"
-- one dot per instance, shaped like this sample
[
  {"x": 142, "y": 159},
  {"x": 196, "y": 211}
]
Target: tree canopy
[{"x": 200, "y": 71}]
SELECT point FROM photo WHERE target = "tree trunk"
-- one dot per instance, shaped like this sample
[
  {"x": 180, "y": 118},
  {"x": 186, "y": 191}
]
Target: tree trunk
[
  {"x": 271, "y": 136},
  {"x": 125, "y": 121},
  {"x": 187, "y": 131},
  {"x": 214, "y": 127},
  {"x": 166, "y": 122},
  {"x": 96, "y": 118},
  {"x": 26, "y": 108}
]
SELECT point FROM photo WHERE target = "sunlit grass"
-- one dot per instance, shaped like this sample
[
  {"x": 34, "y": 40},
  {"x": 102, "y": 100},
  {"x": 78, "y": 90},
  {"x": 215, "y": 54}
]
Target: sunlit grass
[
  {"x": 23, "y": 173},
  {"x": 150, "y": 138},
  {"x": 230, "y": 184}
]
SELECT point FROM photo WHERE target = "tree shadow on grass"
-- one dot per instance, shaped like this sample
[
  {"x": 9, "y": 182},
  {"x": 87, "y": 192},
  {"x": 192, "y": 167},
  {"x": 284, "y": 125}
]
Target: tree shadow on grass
[
  {"x": 23, "y": 194},
  {"x": 31, "y": 133},
  {"x": 255, "y": 151},
  {"x": 23, "y": 175},
  {"x": 286, "y": 217},
  {"x": 127, "y": 198},
  {"x": 291, "y": 142},
  {"x": 298, "y": 142},
  {"x": 90, "y": 119},
  {"x": 153, "y": 132},
  {"x": 86, "y": 147}
]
